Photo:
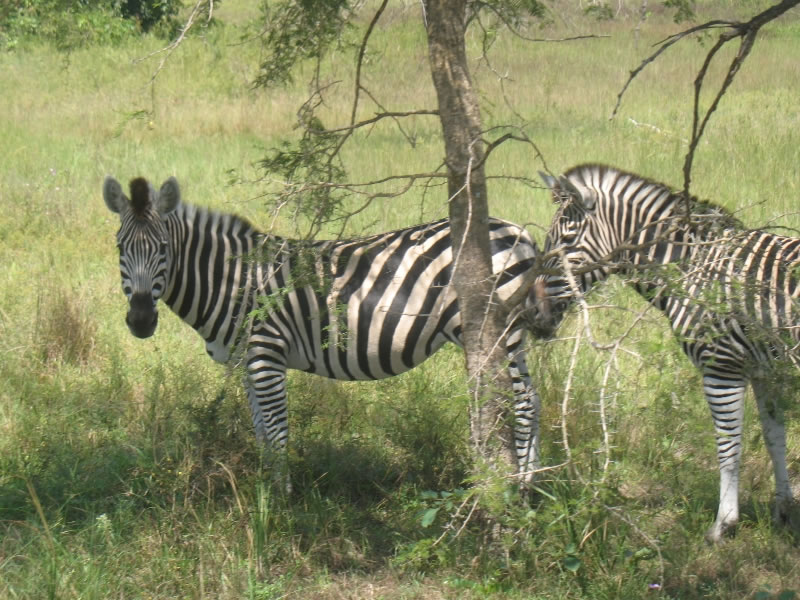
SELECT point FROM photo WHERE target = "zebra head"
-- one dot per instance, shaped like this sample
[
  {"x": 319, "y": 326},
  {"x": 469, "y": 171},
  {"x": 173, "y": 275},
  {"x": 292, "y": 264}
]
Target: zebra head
[
  {"x": 571, "y": 245},
  {"x": 143, "y": 242}
]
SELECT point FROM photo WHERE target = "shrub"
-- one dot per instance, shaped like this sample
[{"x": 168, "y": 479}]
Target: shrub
[
  {"x": 71, "y": 24},
  {"x": 149, "y": 13}
]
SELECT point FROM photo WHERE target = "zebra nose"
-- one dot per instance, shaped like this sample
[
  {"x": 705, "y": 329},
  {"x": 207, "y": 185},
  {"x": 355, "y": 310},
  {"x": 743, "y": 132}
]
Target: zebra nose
[
  {"x": 541, "y": 313},
  {"x": 142, "y": 317}
]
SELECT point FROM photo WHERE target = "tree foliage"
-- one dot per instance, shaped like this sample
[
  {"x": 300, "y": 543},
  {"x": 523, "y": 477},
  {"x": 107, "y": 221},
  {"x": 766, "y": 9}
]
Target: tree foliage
[
  {"x": 150, "y": 13},
  {"x": 70, "y": 24},
  {"x": 295, "y": 30},
  {"x": 313, "y": 159}
]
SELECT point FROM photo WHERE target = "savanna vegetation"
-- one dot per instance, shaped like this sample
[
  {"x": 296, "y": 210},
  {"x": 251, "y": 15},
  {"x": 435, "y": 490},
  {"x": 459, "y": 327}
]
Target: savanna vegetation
[{"x": 128, "y": 468}]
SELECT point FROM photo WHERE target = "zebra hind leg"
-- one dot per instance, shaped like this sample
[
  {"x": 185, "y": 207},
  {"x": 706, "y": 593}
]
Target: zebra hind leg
[
  {"x": 785, "y": 511},
  {"x": 725, "y": 396}
]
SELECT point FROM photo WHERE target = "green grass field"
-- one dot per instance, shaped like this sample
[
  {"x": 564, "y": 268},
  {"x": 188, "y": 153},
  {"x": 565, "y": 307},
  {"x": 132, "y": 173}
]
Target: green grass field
[{"x": 128, "y": 468}]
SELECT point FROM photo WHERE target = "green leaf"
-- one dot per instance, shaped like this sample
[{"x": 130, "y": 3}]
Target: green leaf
[
  {"x": 544, "y": 493},
  {"x": 572, "y": 563},
  {"x": 644, "y": 554},
  {"x": 428, "y": 516}
]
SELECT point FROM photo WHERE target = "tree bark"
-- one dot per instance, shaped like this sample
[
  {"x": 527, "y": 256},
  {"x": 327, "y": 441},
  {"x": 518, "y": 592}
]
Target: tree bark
[{"x": 482, "y": 324}]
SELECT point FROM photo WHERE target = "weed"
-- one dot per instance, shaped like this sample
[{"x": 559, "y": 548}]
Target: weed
[{"x": 64, "y": 330}]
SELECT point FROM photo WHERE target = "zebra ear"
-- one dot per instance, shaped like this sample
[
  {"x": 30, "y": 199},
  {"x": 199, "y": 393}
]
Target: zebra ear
[
  {"x": 115, "y": 199},
  {"x": 554, "y": 183},
  {"x": 549, "y": 180},
  {"x": 169, "y": 196}
]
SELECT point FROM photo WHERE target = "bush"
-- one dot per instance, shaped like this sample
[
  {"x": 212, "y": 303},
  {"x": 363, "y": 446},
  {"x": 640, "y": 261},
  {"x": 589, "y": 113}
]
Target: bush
[
  {"x": 149, "y": 13},
  {"x": 71, "y": 24}
]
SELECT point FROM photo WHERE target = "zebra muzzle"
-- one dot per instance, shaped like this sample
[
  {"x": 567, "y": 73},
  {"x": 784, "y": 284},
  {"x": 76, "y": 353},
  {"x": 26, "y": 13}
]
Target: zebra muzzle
[
  {"x": 142, "y": 317},
  {"x": 541, "y": 319}
]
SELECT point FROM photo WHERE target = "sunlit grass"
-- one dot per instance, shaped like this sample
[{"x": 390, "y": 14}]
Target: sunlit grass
[{"x": 139, "y": 455}]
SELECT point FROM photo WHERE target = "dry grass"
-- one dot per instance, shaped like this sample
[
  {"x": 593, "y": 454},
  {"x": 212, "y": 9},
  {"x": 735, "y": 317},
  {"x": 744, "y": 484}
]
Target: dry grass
[{"x": 64, "y": 331}]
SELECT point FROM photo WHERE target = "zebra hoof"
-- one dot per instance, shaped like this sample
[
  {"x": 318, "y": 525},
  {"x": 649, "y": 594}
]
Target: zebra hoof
[
  {"x": 719, "y": 530},
  {"x": 786, "y": 515}
]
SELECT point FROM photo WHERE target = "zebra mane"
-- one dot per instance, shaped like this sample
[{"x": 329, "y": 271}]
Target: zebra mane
[
  {"x": 586, "y": 173},
  {"x": 140, "y": 196}
]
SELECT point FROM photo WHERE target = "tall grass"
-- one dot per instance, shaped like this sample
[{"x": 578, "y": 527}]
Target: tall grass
[{"x": 128, "y": 468}]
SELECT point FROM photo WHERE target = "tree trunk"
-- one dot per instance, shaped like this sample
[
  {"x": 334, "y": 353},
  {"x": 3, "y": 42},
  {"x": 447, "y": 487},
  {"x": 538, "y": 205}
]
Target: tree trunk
[{"x": 491, "y": 417}]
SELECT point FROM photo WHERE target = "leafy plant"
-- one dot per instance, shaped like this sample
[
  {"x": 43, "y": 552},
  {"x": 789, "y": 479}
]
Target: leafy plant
[
  {"x": 73, "y": 24},
  {"x": 149, "y": 13}
]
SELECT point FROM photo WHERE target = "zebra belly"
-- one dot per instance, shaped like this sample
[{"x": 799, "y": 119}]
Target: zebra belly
[{"x": 348, "y": 364}]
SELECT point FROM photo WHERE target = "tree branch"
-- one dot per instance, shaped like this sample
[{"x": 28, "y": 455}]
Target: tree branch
[
  {"x": 665, "y": 45},
  {"x": 380, "y": 116},
  {"x": 747, "y": 32},
  {"x": 360, "y": 60},
  {"x": 169, "y": 49}
]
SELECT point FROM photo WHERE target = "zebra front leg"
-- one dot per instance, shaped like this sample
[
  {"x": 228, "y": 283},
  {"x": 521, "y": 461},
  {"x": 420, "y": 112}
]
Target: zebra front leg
[
  {"x": 725, "y": 397},
  {"x": 266, "y": 391},
  {"x": 526, "y": 410},
  {"x": 772, "y": 424}
]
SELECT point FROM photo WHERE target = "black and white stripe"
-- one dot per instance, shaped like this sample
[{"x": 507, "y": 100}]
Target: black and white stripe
[
  {"x": 356, "y": 309},
  {"x": 730, "y": 295}
]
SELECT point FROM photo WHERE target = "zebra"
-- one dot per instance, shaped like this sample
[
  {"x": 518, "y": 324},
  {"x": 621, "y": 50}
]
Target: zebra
[
  {"x": 350, "y": 309},
  {"x": 729, "y": 293}
]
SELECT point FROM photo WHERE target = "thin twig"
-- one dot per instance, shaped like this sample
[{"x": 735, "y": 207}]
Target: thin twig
[
  {"x": 362, "y": 50},
  {"x": 383, "y": 115},
  {"x": 665, "y": 44},
  {"x": 747, "y": 32},
  {"x": 169, "y": 49}
]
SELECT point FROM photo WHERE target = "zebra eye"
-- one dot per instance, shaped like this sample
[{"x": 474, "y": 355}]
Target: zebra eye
[{"x": 162, "y": 247}]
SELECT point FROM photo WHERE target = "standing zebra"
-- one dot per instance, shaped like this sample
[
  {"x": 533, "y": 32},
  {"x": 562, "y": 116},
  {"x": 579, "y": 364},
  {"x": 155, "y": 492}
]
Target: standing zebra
[
  {"x": 357, "y": 309},
  {"x": 730, "y": 295}
]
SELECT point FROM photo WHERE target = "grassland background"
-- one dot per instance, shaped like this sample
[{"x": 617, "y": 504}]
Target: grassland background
[{"x": 128, "y": 468}]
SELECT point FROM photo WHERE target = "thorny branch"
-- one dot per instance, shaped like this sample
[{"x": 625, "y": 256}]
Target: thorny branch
[
  {"x": 584, "y": 331},
  {"x": 348, "y": 131},
  {"x": 379, "y": 116}
]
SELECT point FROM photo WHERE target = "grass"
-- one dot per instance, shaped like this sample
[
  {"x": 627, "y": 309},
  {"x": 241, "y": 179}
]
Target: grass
[{"x": 128, "y": 469}]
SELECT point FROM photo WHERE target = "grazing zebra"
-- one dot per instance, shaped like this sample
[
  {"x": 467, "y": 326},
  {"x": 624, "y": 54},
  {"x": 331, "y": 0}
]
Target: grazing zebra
[
  {"x": 356, "y": 309},
  {"x": 730, "y": 295}
]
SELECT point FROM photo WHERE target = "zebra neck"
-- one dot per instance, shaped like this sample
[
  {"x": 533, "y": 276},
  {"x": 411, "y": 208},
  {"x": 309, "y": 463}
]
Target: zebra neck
[
  {"x": 208, "y": 270},
  {"x": 670, "y": 247},
  {"x": 674, "y": 232}
]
